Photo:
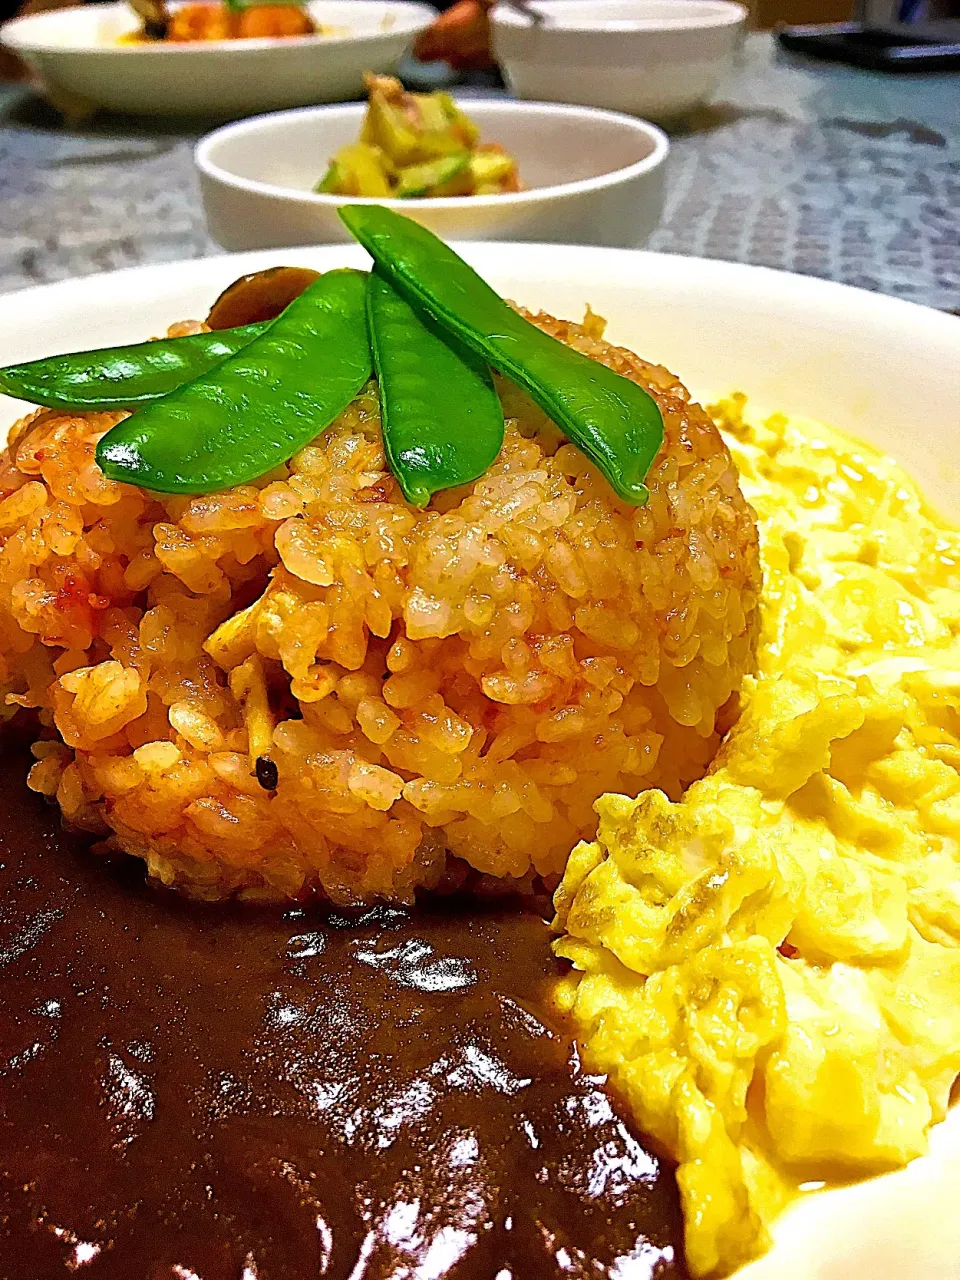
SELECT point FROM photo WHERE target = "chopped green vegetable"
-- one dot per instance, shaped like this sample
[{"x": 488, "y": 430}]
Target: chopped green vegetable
[
  {"x": 257, "y": 408},
  {"x": 359, "y": 169},
  {"x": 433, "y": 117},
  {"x": 387, "y": 127},
  {"x": 334, "y": 180},
  {"x": 123, "y": 377},
  {"x": 402, "y": 136},
  {"x": 490, "y": 167},
  {"x": 418, "y": 179},
  {"x": 615, "y": 422},
  {"x": 465, "y": 126},
  {"x": 441, "y": 417}
]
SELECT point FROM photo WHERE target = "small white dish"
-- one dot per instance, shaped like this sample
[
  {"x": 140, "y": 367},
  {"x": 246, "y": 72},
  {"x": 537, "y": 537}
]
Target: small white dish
[
  {"x": 654, "y": 58},
  {"x": 590, "y": 176},
  {"x": 80, "y": 52}
]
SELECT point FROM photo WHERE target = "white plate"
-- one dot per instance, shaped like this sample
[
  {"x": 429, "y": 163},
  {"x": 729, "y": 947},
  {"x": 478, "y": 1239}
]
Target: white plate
[
  {"x": 589, "y": 176},
  {"x": 885, "y": 370},
  {"x": 77, "y": 51}
]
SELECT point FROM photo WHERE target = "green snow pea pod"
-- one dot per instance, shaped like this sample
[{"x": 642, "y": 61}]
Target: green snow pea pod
[
  {"x": 441, "y": 417},
  {"x": 122, "y": 377},
  {"x": 257, "y": 408},
  {"x": 613, "y": 421}
]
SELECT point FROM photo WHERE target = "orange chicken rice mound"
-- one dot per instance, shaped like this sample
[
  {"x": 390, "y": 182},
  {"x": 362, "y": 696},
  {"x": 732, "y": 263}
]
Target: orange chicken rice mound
[{"x": 305, "y": 684}]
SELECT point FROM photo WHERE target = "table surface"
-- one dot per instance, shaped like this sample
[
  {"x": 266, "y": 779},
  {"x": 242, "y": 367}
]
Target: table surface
[{"x": 830, "y": 171}]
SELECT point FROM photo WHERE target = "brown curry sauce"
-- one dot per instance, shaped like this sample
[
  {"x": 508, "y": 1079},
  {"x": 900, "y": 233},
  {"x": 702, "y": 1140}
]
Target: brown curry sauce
[{"x": 192, "y": 1092}]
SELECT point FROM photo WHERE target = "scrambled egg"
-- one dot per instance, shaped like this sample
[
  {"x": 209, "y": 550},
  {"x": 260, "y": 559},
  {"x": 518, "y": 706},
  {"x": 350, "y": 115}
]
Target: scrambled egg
[{"x": 769, "y": 970}]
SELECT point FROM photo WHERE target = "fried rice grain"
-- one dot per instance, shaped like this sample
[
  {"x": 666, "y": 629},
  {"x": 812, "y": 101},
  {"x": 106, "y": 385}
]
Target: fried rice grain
[{"x": 439, "y": 693}]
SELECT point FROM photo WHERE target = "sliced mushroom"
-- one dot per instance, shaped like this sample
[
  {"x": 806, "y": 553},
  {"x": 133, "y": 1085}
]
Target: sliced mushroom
[{"x": 260, "y": 296}]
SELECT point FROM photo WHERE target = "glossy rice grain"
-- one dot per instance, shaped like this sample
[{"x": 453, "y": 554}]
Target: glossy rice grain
[{"x": 443, "y": 692}]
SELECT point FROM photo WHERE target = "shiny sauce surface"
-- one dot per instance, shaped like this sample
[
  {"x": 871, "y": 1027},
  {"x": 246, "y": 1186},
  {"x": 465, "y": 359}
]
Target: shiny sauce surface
[{"x": 191, "y": 1092}]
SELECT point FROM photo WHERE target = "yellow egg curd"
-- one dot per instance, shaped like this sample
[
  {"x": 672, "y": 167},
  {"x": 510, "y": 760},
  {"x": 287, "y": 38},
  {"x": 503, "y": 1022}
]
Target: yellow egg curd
[{"x": 769, "y": 970}]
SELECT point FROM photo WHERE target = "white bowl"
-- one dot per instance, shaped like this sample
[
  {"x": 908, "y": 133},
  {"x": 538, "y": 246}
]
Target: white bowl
[
  {"x": 591, "y": 176},
  {"x": 77, "y": 51},
  {"x": 655, "y": 58},
  {"x": 885, "y": 370}
]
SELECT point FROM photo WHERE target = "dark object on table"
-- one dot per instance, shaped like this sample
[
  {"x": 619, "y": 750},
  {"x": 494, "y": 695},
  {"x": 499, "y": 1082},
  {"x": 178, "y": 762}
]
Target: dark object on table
[
  {"x": 460, "y": 36},
  {"x": 894, "y": 46}
]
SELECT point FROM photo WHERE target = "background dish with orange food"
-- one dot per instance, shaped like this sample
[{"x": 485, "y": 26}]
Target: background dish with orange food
[{"x": 215, "y": 21}]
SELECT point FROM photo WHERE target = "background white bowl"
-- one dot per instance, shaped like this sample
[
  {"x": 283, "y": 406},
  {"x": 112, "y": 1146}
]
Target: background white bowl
[
  {"x": 591, "y": 176},
  {"x": 655, "y": 58},
  {"x": 77, "y": 50}
]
